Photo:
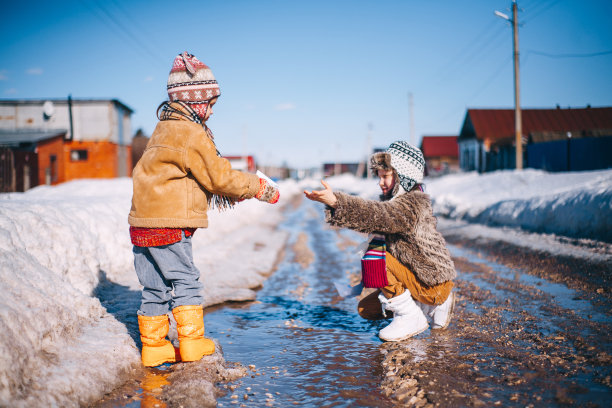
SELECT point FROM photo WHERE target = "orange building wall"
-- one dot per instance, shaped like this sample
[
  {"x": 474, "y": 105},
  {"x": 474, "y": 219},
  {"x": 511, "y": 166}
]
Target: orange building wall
[
  {"x": 45, "y": 149},
  {"x": 129, "y": 161},
  {"x": 101, "y": 160}
]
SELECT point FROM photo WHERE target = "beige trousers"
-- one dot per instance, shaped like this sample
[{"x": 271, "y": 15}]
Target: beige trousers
[{"x": 401, "y": 279}]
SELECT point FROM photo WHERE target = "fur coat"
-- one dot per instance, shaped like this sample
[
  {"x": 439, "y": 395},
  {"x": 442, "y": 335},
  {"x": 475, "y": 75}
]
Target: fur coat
[{"x": 409, "y": 227}]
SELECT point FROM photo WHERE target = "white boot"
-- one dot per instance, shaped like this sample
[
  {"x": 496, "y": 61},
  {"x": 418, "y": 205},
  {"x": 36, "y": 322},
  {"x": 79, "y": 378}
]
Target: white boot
[
  {"x": 408, "y": 319},
  {"x": 440, "y": 315}
]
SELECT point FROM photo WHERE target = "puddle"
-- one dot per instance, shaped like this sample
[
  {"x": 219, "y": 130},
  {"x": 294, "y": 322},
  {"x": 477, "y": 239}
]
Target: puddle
[{"x": 303, "y": 347}]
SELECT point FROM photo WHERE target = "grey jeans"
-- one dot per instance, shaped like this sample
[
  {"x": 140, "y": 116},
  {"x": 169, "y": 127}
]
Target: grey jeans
[{"x": 168, "y": 276}]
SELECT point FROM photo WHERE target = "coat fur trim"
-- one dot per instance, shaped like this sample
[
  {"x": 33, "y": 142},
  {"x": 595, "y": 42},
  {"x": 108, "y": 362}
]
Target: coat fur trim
[
  {"x": 382, "y": 161},
  {"x": 409, "y": 227}
]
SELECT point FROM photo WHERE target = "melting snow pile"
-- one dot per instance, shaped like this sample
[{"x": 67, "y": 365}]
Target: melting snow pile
[
  {"x": 60, "y": 347},
  {"x": 575, "y": 204}
]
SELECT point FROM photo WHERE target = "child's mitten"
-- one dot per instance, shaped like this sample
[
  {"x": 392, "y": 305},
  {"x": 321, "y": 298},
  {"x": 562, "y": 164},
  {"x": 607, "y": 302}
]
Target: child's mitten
[{"x": 267, "y": 193}]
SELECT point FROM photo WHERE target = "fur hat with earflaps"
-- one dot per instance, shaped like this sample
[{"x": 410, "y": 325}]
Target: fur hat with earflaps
[{"x": 405, "y": 160}]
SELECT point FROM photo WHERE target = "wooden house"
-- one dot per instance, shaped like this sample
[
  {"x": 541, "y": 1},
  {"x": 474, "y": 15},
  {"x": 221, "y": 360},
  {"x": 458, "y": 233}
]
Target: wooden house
[
  {"x": 242, "y": 163},
  {"x": 337, "y": 168},
  {"x": 441, "y": 154},
  {"x": 53, "y": 141},
  {"x": 554, "y": 139}
]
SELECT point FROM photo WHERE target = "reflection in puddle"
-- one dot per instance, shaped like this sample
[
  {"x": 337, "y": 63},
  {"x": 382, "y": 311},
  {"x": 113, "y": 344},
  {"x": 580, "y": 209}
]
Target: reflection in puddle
[
  {"x": 152, "y": 389},
  {"x": 304, "y": 344}
]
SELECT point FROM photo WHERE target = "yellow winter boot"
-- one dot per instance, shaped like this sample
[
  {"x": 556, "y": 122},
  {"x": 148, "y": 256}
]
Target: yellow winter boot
[
  {"x": 190, "y": 327},
  {"x": 156, "y": 350}
]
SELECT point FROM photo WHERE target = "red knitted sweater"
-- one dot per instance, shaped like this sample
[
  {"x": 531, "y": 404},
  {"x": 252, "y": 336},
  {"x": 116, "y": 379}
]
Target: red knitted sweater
[{"x": 149, "y": 237}]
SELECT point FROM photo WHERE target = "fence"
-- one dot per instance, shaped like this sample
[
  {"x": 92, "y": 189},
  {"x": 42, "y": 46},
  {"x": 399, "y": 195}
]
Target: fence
[{"x": 592, "y": 153}]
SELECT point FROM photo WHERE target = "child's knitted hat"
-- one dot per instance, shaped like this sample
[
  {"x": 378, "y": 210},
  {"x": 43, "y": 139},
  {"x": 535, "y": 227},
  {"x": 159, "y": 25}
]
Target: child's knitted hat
[
  {"x": 192, "y": 82},
  {"x": 409, "y": 163},
  {"x": 406, "y": 160}
]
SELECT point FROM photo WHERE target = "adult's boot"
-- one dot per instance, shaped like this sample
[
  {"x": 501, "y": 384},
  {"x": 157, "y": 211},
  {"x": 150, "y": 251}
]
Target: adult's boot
[
  {"x": 190, "y": 327},
  {"x": 156, "y": 349},
  {"x": 440, "y": 315},
  {"x": 408, "y": 318}
]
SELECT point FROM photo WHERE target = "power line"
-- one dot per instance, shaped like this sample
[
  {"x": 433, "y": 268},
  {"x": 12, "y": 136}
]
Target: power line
[
  {"x": 486, "y": 43},
  {"x": 495, "y": 73},
  {"x": 537, "y": 10},
  {"x": 132, "y": 36},
  {"x": 121, "y": 30},
  {"x": 577, "y": 55},
  {"x": 140, "y": 28},
  {"x": 498, "y": 70},
  {"x": 493, "y": 42},
  {"x": 467, "y": 47}
]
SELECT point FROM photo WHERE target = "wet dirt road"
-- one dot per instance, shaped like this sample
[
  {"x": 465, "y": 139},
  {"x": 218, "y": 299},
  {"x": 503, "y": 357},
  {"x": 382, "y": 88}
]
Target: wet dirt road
[{"x": 517, "y": 339}]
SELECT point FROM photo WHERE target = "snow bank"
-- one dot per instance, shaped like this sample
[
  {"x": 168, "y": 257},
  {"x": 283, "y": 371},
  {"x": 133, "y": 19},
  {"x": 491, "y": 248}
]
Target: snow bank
[
  {"x": 575, "y": 204},
  {"x": 57, "y": 244},
  {"x": 60, "y": 347}
]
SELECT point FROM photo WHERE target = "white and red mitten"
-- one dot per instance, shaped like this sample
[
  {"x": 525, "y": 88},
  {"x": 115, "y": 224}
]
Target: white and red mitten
[{"x": 267, "y": 193}]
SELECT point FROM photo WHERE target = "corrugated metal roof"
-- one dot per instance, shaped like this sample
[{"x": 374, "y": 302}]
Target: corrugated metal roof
[
  {"x": 9, "y": 137},
  {"x": 496, "y": 124},
  {"x": 75, "y": 101},
  {"x": 437, "y": 146}
]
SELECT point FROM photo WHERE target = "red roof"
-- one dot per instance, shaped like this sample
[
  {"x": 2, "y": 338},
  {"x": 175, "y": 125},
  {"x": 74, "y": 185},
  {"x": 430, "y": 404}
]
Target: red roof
[
  {"x": 437, "y": 146},
  {"x": 499, "y": 123}
]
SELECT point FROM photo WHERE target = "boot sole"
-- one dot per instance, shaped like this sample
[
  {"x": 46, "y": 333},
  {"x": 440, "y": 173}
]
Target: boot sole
[
  {"x": 407, "y": 336},
  {"x": 450, "y": 315}
]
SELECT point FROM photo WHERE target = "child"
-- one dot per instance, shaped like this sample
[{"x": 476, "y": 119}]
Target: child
[
  {"x": 415, "y": 279},
  {"x": 179, "y": 176}
]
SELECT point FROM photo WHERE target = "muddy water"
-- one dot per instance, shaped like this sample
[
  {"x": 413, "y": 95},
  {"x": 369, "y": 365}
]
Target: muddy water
[
  {"x": 518, "y": 338},
  {"x": 303, "y": 344}
]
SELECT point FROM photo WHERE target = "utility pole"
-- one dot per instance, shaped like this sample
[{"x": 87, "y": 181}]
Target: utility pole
[
  {"x": 368, "y": 148},
  {"x": 518, "y": 125},
  {"x": 411, "y": 112},
  {"x": 363, "y": 165}
]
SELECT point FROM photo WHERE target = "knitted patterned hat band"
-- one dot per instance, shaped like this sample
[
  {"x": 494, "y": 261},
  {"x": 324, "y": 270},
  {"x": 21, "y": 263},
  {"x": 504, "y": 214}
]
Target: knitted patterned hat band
[{"x": 193, "y": 91}]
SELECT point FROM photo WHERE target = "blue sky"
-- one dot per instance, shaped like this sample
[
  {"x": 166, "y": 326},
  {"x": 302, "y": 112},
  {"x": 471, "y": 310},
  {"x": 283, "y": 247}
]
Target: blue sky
[{"x": 304, "y": 82}]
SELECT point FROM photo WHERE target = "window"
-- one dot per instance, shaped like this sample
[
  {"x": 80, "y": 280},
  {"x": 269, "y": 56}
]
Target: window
[
  {"x": 78, "y": 155},
  {"x": 53, "y": 167}
]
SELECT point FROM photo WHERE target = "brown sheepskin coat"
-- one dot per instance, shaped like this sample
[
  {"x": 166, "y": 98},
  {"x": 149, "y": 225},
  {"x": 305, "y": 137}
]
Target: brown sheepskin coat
[
  {"x": 177, "y": 173},
  {"x": 409, "y": 227}
]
